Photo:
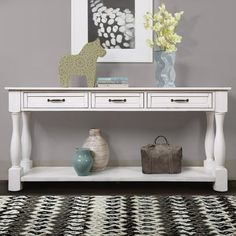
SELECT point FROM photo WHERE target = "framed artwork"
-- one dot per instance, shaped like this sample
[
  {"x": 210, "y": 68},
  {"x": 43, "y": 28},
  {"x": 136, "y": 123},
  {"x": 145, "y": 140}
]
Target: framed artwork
[{"x": 118, "y": 24}]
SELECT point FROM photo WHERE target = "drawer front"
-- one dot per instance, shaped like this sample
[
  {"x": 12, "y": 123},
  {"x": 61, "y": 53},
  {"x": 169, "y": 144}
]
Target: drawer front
[
  {"x": 117, "y": 100},
  {"x": 55, "y": 100},
  {"x": 180, "y": 100}
]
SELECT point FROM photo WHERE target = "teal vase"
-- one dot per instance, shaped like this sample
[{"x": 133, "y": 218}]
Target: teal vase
[
  {"x": 82, "y": 161},
  {"x": 165, "y": 70}
]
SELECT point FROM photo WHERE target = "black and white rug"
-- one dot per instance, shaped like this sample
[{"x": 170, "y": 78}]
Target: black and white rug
[{"x": 118, "y": 215}]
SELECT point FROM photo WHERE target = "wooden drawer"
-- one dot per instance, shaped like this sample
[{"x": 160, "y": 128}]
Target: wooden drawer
[
  {"x": 55, "y": 100},
  {"x": 180, "y": 100},
  {"x": 117, "y": 100}
]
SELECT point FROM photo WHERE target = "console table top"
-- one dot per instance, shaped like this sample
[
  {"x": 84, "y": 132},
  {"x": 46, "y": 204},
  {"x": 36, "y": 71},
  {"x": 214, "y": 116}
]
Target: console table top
[{"x": 118, "y": 89}]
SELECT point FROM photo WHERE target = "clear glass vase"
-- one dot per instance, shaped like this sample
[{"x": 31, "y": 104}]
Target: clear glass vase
[{"x": 165, "y": 70}]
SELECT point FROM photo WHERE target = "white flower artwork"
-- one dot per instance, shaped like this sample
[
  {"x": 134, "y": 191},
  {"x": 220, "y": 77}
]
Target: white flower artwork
[
  {"x": 113, "y": 22},
  {"x": 118, "y": 24}
]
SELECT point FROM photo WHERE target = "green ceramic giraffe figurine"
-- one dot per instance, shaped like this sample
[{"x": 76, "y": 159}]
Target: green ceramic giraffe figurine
[{"x": 82, "y": 64}]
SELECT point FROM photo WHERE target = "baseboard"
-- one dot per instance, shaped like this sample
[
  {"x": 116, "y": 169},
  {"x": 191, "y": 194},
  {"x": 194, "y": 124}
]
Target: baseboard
[{"x": 116, "y": 188}]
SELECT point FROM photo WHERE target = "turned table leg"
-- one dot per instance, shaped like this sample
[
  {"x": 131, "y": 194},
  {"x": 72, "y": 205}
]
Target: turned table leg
[
  {"x": 209, "y": 141},
  {"x": 26, "y": 144},
  {"x": 14, "y": 173},
  {"x": 221, "y": 183}
]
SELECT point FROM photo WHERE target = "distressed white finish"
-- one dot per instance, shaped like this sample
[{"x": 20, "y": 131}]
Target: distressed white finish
[
  {"x": 221, "y": 179},
  {"x": 117, "y": 100},
  {"x": 14, "y": 101},
  {"x": 15, "y": 171},
  {"x": 190, "y": 100},
  {"x": 213, "y": 101},
  {"x": 219, "y": 146},
  {"x": 209, "y": 141},
  {"x": 55, "y": 100},
  {"x": 26, "y": 143},
  {"x": 221, "y": 101},
  {"x": 124, "y": 173},
  {"x": 219, "y": 90}
]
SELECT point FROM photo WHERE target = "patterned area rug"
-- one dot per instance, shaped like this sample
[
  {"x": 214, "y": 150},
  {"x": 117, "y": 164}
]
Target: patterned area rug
[{"x": 118, "y": 215}]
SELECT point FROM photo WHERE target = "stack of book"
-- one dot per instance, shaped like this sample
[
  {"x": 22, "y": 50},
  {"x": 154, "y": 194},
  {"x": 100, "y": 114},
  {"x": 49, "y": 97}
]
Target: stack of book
[{"x": 112, "y": 82}]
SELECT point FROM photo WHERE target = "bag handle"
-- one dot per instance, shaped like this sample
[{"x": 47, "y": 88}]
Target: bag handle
[{"x": 161, "y": 136}]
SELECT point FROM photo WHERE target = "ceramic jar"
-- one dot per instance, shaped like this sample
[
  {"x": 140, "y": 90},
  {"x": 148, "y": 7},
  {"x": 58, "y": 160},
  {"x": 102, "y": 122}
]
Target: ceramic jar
[
  {"x": 100, "y": 150},
  {"x": 82, "y": 161}
]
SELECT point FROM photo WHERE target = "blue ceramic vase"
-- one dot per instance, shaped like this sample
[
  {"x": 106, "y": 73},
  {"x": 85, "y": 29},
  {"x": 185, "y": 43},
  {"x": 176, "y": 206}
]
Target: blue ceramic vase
[
  {"x": 82, "y": 161},
  {"x": 165, "y": 70}
]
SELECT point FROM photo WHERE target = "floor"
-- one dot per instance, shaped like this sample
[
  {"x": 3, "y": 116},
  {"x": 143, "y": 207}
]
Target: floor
[{"x": 116, "y": 188}]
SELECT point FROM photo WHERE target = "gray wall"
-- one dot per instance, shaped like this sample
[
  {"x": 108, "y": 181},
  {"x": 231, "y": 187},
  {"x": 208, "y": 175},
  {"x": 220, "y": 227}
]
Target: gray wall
[{"x": 35, "y": 34}]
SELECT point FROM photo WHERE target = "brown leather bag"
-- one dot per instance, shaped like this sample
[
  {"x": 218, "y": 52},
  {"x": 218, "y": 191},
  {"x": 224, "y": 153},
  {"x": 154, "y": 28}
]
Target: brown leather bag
[{"x": 160, "y": 158}]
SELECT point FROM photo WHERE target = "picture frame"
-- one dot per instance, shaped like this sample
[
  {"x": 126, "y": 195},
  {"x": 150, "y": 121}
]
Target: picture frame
[{"x": 137, "y": 52}]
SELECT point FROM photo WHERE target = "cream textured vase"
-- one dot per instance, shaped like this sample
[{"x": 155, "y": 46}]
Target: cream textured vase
[{"x": 100, "y": 150}]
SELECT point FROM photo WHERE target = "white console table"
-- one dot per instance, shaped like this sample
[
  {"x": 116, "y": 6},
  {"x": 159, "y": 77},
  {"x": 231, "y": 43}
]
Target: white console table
[{"x": 23, "y": 101}]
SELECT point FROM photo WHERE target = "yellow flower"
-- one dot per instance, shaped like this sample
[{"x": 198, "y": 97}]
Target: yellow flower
[
  {"x": 157, "y": 27},
  {"x": 171, "y": 48},
  {"x": 161, "y": 41},
  {"x": 150, "y": 43},
  {"x": 162, "y": 7},
  {"x": 163, "y": 24},
  {"x": 171, "y": 28},
  {"x": 148, "y": 16},
  {"x": 157, "y": 17},
  {"x": 178, "y": 15},
  {"x": 146, "y": 25}
]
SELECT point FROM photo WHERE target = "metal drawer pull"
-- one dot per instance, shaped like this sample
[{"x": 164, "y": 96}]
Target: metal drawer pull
[
  {"x": 179, "y": 100},
  {"x": 57, "y": 100},
  {"x": 117, "y": 100}
]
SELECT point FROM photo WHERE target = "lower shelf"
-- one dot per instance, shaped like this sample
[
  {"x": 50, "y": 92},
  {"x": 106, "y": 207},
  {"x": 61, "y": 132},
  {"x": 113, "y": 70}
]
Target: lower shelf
[{"x": 124, "y": 173}]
